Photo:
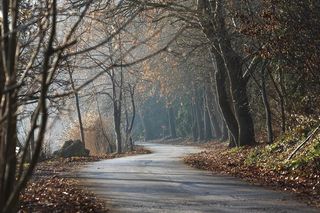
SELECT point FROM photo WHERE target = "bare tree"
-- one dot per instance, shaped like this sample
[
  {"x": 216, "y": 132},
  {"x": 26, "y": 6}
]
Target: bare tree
[{"x": 31, "y": 50}]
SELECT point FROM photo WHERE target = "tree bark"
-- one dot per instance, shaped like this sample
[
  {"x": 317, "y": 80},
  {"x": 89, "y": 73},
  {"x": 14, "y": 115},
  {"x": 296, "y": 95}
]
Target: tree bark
[
  {"x": 117, "y": 108},
  {"x": 194, "y": 123},
  {"x": 222, "y": 97},
  {"x": 213, "y": 112},
  {"x": 172, "y": 122},
  {"x": 32, "y": 140},
  {"x": 283, "y": 113},
  {"x": 210, "y": 122},
  {"x": 143, "y": 125},
  {"x": 228, "y": 63},
  {"x": 133, "y": 105},
  {"x": 76, "y": 96},
  {"x": 281, "y": 100},
  {"x": 199, "y": 116},
  {"x": 117, "y": 127},
  {"x": 225, "y": 133},
  {"x": 207, "y": 124},
  {"x": 238, "y": 89},
  {"x": 266, "y": 106}
]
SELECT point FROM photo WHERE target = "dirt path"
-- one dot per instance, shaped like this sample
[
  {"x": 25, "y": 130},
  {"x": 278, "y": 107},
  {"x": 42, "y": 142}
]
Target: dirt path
[{"x": 160, "y": 182}]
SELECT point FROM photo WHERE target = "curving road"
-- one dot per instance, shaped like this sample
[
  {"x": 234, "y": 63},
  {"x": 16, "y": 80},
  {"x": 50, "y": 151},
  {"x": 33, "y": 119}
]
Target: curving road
[{"x": 160, "y": 182}]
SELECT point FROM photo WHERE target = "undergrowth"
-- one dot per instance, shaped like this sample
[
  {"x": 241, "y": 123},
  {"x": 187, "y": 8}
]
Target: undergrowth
[{"x": 268, "y": 164}]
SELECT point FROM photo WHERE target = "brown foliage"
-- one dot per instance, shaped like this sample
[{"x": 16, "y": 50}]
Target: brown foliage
[
  {"x": 97, "y": 133},
  {"x": 57, "y": 194}
]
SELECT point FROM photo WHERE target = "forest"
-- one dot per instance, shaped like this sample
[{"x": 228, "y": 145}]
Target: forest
[{"x": 242, "y": 74}]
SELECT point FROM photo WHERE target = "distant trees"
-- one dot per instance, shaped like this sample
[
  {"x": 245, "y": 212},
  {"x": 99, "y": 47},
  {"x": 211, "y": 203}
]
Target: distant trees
[
  {"x": 124, "y": 40},
  {"x": 250, "y": 72}
]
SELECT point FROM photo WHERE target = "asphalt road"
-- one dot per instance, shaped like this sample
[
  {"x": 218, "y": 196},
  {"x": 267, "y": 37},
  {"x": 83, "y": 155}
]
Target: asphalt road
[{"x": 160, "y": 182}]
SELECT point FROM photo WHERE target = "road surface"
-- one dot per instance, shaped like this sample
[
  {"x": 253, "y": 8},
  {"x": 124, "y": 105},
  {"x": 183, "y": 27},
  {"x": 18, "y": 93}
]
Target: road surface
[{"x": 160, "y": 182}]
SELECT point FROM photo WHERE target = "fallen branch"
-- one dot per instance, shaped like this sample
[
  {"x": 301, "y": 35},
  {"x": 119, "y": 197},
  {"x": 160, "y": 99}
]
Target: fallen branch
[{"x": 303, "y": 143}]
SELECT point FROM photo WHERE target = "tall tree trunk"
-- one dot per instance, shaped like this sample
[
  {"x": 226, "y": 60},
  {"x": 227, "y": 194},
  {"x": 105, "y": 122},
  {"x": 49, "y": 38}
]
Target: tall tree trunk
[
  {"x": 76, "y": 96},
  {"x": 32, "y": 140},
  {"x": 213, "y": 112},
  {"x": 194, "y": 123},
  {"x": 207, "y": 124},
  {"x": 216, "y": 130},
  {"x": 225, "y": 133},
  {"x": 281, "y": 95},
  {"x": 11, "y": 138},
  {"x": 238, "y": 90},
  {"x": 117, "y": 128},
  {"x": 266, "y": 106},
  {"x": 104, "y": 133},
  {"x": 199, "y": 118},
  {"x": 232, "y": 143},
  {"x": 172, "y": 122},
  {"x": 117, "y": 99},
  {"x": 244, "y": 118},
  {"x": 207, "y": 21},
  {"x": 228, "y": 62},
  {"x": 143, "y": 125},
  {"x": 281, "y": 99},
  {"x": 130, "y": 127},
  {"x": 222, "y": 97},
  {"x": 117, "y": 109}
]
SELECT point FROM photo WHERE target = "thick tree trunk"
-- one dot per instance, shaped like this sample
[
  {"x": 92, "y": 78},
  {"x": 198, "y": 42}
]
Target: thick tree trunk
[
  {"x": 11, "y": 138},
  {"x": 228, "y": 62},
  {"x": 238, "y": 89},
  {"x": 244, "y": 118},
  {"x": 172, "y": 123},
  {"x": 222, "y": 97},
  {"x": 207, "y": 21}
]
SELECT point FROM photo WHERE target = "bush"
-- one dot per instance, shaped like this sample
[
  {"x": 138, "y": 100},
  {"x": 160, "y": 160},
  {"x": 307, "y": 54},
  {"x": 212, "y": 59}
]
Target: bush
[{"x": 99, "y": 137}]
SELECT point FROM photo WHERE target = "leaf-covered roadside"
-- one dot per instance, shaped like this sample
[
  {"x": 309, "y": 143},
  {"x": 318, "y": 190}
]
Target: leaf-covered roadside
[
  {"x": 57, "y": 194},
  {"x": 268, "y": 164},
  {"x": 54, "y": 189}
]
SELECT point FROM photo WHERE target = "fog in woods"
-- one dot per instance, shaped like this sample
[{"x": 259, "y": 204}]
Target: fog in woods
[{"x": 108, "y": 74}]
